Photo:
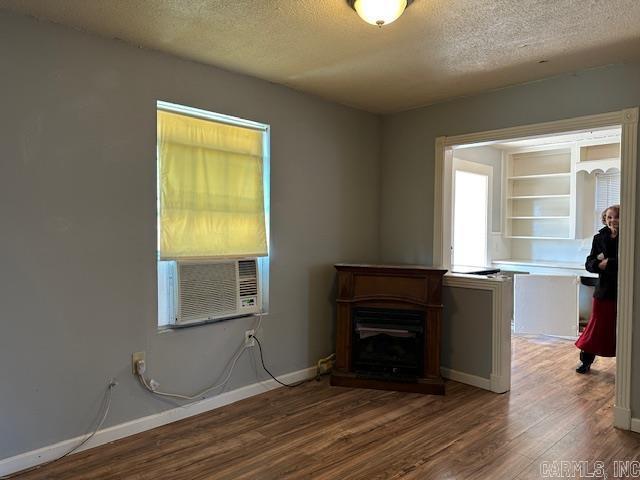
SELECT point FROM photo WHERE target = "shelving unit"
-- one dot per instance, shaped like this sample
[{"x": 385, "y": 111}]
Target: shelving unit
[
  {"x": 600, "y": 156},
  {"x": 593, "y": 159},
  {"x": 521, "y": 197},
  {"x": 550, "y": 195},
  {"x": 542, "y": 175},
  {"x": 540, "y": 193},
  {"x": 539, "y": 218}
]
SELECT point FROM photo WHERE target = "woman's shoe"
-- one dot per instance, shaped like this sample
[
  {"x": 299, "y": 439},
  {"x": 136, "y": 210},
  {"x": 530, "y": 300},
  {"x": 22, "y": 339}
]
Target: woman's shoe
[
  {"x": 586, "y": 360},
  {"x": 583, "y": 368}
]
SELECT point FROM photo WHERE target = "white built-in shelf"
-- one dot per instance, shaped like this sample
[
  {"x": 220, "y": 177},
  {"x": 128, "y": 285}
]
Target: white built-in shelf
[
  {"x": 541, "y": 176},
  {"x": 543, "y": 192},
  {"x": 537, "y": 238},
  {"x": 604, "y": 164},
  {"x": 539, "y": 196},
  {"x": 549, "y": 217}
]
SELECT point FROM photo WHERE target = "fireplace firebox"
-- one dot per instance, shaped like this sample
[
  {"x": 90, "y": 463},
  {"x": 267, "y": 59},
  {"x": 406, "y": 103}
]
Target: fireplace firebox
[
  {"x": 388, "y": 344},
  {"x": 388, "y": 328}
]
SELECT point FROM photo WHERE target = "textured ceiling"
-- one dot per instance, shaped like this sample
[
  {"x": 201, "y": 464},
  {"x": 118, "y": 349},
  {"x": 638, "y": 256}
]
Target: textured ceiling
[{"x": 439, "y": 49}]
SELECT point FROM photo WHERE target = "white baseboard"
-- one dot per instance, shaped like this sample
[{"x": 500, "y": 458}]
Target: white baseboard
[
  {"x": 51, "y": 452},
  {"x": 466, "y": 378},
  {"x": 500, "y": 383},
  {"x": 635, "y": 425},
  {"x": 622, "y": 418}
]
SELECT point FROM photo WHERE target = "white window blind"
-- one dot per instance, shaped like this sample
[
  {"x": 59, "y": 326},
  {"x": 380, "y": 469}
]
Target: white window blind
[
  {"x": 607, "y": 190},
  {"x": 211, "y": 197}
]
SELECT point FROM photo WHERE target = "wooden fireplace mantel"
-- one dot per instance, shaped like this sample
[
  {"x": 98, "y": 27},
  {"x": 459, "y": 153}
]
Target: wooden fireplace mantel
[{"x": 408, "y": 287}]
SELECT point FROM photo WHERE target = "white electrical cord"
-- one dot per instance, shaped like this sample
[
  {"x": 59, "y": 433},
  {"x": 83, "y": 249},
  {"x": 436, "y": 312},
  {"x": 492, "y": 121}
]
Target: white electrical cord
[
  {"x": 105, "y": 401},
  {"x": 200, "y": 394},
  {"x": 257, "y": 327},
  {"x": 110, "y": 387},
  {"x": 195, "y": 396}
]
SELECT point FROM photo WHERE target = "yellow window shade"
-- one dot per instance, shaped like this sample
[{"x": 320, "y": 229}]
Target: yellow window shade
[{"x": 211, "y": 189}]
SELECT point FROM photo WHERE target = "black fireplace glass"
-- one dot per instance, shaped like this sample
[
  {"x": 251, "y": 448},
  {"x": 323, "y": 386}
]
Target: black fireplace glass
[{"x": 388, "y": 343}]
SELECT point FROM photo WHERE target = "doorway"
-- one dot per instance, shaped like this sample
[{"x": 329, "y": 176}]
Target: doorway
[{"x": 628, "y": 119}]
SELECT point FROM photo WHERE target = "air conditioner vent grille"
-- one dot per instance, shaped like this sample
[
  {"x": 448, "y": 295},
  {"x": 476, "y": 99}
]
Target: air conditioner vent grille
[
  {"x": 248, "y": 278},
  {"x": 247, "y": 268},
  {"x": 248, "y": 287},
  {"x": 207, "y": 290}
]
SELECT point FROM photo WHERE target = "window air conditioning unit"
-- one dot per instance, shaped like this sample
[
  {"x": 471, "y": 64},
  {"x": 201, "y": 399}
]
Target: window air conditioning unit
[{"x": 214, "y": 290}]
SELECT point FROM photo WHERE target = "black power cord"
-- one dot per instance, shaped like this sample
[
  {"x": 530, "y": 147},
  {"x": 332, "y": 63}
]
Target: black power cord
[{"x": 290, "y": 385}]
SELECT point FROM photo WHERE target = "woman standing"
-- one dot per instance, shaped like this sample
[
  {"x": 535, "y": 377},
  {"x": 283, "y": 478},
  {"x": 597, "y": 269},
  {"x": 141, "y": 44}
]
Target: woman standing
[{"x": 599, "y": 336}]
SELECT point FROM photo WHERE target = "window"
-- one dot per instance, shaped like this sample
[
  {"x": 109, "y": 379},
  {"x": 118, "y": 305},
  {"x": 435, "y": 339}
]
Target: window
[
  {"x": 213, "y": 214},
  {"x": 471, "y": 206},
  {"x": 607, "y": 190},
  {"x": 607, "y": 193}
]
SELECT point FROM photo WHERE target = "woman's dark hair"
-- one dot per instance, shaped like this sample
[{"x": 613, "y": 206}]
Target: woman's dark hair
[{"x": 615, "y": 207}]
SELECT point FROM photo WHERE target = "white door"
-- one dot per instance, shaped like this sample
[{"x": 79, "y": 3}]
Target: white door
[
  {"x": 471, "y": 213},
  {"x": 546, "y": 304}
]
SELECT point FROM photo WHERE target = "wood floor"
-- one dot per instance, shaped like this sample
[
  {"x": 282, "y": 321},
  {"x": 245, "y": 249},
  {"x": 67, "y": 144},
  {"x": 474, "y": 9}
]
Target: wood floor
[{"x": 323, "y": 432}]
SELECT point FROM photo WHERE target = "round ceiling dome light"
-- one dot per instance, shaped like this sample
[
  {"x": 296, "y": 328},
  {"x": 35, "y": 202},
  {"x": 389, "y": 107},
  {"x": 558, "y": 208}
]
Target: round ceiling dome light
[{"x": 379, "y": 12}]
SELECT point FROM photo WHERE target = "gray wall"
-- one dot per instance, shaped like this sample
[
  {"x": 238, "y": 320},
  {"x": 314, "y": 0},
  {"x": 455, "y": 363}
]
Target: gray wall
[
  {"x": 78, "y": 236},
  {"x": 409, "y": 144},
  {"x": 467, "y": 330}
]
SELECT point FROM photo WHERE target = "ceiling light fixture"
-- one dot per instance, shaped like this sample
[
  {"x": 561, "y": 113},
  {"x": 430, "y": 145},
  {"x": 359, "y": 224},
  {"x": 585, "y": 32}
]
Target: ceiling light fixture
[{"x": 379, "y": 12}]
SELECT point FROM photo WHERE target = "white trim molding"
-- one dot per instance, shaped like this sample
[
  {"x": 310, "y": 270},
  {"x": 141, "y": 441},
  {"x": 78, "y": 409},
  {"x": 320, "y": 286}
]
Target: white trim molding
[
  {"x": 628, "y": 119},
  {"x": 500, "y": 288},
  {"x": 438, "y": 199},
  {"x": 635, "y": 425},
  {"x": 626, "y": 263},
  {"x": 110, "y": 434},
  {"x": 465, "y": 378},
  {"x": 587, "y": 122}
]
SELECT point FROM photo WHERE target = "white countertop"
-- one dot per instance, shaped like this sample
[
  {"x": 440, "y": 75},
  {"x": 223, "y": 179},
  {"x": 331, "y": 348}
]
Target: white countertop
[
  {"x": 562, "y": 267},
  {"x": 540, "y": 263}
]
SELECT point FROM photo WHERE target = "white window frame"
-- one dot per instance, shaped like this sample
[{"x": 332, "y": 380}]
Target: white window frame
[
  {"x": 263, "y": 262},
  {"x": 479, "y": 169}
]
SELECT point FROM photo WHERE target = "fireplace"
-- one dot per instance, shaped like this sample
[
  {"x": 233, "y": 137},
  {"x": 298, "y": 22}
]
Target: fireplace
[
  {"x": 388, "y": 328},
  {"x": 388, "y": 344}
]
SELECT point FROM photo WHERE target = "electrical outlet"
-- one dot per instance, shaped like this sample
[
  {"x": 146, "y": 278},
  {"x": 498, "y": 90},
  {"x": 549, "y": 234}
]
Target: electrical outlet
[
  {"x": 324, "y": 366},
  {"x": 249, "y": 341},
  {"x": 135, "y": 357}
]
